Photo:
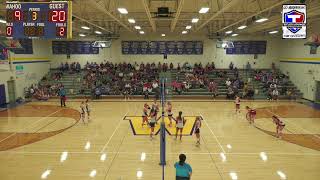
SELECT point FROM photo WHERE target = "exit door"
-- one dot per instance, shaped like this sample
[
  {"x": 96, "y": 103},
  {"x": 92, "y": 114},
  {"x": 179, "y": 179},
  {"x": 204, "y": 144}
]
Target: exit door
[
  {"x": 12, "y": 91},
  {"x": 317, "y": 91}
]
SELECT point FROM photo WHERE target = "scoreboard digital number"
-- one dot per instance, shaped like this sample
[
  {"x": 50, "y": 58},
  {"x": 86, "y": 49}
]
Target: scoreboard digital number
[{"x": 44, "y": 20}]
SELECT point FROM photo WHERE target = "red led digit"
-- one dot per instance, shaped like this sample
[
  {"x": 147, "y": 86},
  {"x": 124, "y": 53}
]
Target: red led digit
[
  {"x": 17, "y": 15},
  {"x": 9, "y": 31},
  {"x": 54, "y": 16},
  {"x": 62, "y": 16},
  {"x": 61, "y": 31}
]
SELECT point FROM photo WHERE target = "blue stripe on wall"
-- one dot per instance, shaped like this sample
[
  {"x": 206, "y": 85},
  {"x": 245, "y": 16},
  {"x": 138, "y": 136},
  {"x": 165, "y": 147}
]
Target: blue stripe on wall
[
  {"x": 301, "y": 62},
  {"x": 28, "y": 62}
]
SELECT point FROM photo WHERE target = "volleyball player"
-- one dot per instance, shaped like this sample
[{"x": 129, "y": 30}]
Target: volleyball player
[
  {"x": 87, "y": 108},
  {"x": 169, "y": 112},
  {"x": 279, "y": 126},
  {"x": 180, "y": 122},
  {"x": 155, "y": 106},
  {"x": 237, "y": 102},
  {"x": 145, "y": 114},
  {"x": 251, "y": 114},
  {"x": 153, "y": 121},
  {"x": 82, "y": 111},
  {"x": 197, "y": 129}
]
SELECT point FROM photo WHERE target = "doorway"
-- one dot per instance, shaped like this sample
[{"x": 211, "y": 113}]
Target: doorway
[
  {"x": 12, "y": 91},
  {"x": 317, "y": 99}
]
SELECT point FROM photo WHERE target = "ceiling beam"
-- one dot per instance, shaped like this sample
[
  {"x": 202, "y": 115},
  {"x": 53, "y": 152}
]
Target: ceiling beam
[
  {"x": 151, "y": 21},
  {"x": 91, "y": 23},
  {"x": 229, "y": 5},
  {"x": 175, "y": 20},
  {"x": 255, "y": 14},
  {"x": 101, "y": 7}
]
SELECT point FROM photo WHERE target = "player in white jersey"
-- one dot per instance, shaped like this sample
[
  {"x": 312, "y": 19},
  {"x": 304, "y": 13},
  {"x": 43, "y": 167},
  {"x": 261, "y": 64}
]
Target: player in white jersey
[
  {"x": 180, "y": 122},
  {"x": 82, "y": 111},
  {"x": 197, "y": 129},
  {"x": 87, "y": 108}
]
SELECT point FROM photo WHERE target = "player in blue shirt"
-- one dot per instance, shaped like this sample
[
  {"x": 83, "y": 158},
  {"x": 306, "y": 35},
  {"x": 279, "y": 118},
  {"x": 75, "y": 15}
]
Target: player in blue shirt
[{"x": 183, "y": 170}]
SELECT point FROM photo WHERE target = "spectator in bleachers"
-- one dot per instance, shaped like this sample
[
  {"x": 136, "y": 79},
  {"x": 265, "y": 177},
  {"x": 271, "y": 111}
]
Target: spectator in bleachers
[
  {"x": 231, "y": 65},
  {"x": 178, "y": 67},
  {"x": 171, "y": 66},
  {"x": 78, "y": 67},
  {"x": 213, "y": 89},
  {"x": 228, "y": 82},
  {"x": 275, "y": 94},
  {"x": 66, "y": 66},
  {"x": 230, "y": 93},
  {"x": 97, "y": 92},
  {"x": 248, "y": 66}
]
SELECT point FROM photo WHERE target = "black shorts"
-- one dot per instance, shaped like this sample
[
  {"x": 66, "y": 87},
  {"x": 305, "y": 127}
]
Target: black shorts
[
  {"x": 182, "y": 178},
  {"x": 152, "y": 124},
  {"x": 197, "y": 131}
]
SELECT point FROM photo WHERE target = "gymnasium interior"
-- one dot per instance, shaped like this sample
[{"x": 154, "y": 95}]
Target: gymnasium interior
[{"x": 79, "y": 78}]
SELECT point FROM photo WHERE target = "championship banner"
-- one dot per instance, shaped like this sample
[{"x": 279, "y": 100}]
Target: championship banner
[{"x": 294, "y": 21}]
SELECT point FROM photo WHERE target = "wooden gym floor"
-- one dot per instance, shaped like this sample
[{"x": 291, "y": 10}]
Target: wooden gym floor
[{"x": 41, "y": 140}]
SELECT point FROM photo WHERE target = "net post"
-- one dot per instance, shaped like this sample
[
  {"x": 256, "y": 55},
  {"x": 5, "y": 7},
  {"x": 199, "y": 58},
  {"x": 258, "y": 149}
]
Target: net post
[{"x": 162, "y": 128}]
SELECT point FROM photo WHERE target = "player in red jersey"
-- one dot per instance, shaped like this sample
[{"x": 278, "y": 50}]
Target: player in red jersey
[
  {"x": 145, "y": 114},
  {"x": 251, "y": 114},
  {"x": 280, "y": 126},
  {"x": 237, "y": 102},
  {"x": 169, "y": 112},
  {"x": 153, "y": 121}
]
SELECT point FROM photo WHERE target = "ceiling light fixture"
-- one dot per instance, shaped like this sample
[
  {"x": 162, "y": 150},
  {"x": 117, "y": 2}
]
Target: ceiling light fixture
[
  {"x": 85, "y": 27},
  {"x": 188, "y": 27},
  {"x": 184, "y": 32},
  {"x": 3, "y": 21},
  {"x": 195, "y": 20},
  {"x": 242, "y": 27},
  {"x": 261, "y": 20},
  {"x": 204, "y": 10},
  {"x": 141, "y": 32},
  {"x": 234, "y": 35},
  {"x": 123, "y": 10},
  {"x": 97, "y": 32},
  {"x": 137, "y": 27},
  {"x": 228, "y": 32},
  {"x": 273, "y": 32},
  {"x": 82, "y": 35},
  {"x": 131, "y": 21},
  {"x": 163, "y": 35}
]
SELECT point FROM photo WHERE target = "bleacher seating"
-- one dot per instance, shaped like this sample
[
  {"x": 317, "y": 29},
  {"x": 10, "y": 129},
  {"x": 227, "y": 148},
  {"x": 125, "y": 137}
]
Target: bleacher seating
[{"x": 74, "y": 84}]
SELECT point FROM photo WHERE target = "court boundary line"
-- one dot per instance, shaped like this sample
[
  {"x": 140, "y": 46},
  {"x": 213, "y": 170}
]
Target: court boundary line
[
  {"x": 29, "y": 125},
  {"x": 115, "y": 130},
  {"x": 212, "y": 133}
]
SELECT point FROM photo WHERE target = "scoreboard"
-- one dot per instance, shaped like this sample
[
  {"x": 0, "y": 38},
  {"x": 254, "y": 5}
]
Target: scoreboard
[{"x": 44, "y": 20}]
